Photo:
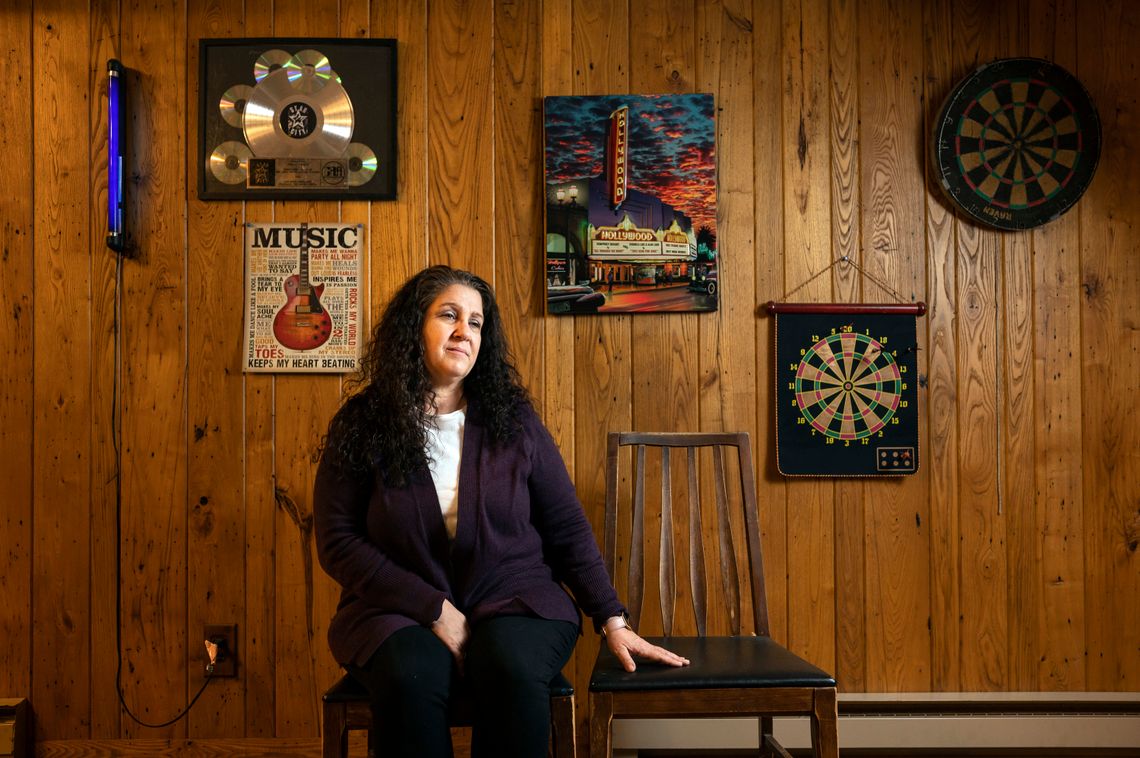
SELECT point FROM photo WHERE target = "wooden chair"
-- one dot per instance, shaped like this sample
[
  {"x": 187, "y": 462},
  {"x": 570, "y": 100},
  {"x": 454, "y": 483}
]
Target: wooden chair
[
  {"x": 744, "y": 673},
  {"x": 346, "y": 707}
]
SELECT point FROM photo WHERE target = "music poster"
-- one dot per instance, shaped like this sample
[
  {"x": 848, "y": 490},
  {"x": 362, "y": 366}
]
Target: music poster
[{"x": 303, "y": 297}]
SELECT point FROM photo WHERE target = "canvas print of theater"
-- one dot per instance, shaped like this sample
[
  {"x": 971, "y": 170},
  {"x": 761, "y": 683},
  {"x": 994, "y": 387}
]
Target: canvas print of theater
[{"x": 630, "y": 204}]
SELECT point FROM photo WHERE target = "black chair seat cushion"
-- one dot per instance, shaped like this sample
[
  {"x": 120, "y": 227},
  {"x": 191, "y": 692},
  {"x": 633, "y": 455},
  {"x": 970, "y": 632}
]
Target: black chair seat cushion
[{"x": 716, "y": 662}]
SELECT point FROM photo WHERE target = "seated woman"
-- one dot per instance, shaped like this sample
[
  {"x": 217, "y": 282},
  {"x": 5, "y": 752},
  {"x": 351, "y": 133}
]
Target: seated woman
[{"x": 445, "y": 512}]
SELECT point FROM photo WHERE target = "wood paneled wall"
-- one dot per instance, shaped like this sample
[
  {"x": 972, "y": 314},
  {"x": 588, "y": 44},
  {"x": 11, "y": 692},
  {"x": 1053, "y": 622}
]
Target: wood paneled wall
[{"x": 1009, "y": 562}]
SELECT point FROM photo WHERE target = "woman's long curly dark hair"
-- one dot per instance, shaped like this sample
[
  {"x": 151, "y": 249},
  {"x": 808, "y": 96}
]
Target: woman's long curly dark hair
[{"x": 381, "y": 426}]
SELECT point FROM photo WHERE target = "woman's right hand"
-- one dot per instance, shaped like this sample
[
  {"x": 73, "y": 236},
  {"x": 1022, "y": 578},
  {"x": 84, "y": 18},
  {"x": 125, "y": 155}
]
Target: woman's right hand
[{"x": 451, "y": 628}]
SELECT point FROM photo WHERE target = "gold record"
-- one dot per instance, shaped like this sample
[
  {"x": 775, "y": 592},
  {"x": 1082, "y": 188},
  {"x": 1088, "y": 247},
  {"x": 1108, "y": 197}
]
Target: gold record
[
  {"x": 268, "y": 62},
  {"x": 361, "y": 164},
  {"x": 228, "y": 162},
  {"x": 284, "y": 122},
  {"x": 232, "y": 104}
]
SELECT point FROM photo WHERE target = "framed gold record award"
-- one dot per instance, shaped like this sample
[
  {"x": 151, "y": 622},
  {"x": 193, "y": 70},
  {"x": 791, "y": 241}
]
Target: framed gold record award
[{"x": 291, "y": 118}]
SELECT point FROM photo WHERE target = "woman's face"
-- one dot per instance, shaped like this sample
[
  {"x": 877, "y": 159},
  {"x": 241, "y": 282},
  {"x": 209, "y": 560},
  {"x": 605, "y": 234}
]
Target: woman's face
[{"x": 451, "y": 336}]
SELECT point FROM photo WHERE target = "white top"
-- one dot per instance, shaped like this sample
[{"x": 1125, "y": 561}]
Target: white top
[{"x": 444, "y": 444}]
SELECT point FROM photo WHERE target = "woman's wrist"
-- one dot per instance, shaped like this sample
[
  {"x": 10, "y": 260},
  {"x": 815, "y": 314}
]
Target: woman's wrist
[{"x": 614, "y": 623}]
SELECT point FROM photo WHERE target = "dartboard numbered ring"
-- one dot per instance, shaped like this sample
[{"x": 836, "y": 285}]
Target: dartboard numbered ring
[{"x": 1016, "y": 143}]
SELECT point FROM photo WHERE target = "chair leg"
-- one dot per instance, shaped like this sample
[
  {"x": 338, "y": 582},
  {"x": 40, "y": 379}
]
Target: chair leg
[
  {"x": 334, "y": 739},
  {"x": 601, "y": 719},
  {"x": 564, "y": 737},
  {"x": 766, "y": 750},
  {"x": 824, "y": 724}
]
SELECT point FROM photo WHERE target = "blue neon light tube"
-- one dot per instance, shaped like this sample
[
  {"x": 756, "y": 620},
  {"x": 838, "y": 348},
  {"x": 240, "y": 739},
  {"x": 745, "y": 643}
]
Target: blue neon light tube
[{"x": 116, "y": 236}]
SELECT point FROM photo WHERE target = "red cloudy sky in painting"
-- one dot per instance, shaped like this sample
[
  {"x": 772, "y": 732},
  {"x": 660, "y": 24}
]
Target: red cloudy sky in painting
[{"x": 672, "y": 144}]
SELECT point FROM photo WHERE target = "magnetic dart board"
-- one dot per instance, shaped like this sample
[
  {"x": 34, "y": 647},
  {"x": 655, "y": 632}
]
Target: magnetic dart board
[
  {"x": 846, "y": 400},
  {"x": 1016, "y": 143}
]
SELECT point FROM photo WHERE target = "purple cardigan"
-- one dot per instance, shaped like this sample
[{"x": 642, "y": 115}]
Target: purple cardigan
[{"x": 521, "y": 533}]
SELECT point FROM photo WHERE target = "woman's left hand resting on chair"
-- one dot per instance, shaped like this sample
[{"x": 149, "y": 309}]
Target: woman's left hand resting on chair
[{"x": 625, "y": 643}]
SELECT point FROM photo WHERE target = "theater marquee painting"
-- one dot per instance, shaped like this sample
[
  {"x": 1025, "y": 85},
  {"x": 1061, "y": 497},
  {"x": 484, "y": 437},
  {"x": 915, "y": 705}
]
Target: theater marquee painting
[{"x": 630, "y": 204}]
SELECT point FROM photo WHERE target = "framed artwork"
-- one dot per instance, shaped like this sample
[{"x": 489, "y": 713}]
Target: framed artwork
[
  {"x": 287, "y": 118},
  {"x": 630, "y": 186}
]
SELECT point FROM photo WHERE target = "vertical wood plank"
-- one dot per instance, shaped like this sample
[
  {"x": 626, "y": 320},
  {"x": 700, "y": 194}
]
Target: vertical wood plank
[
  {"x": 1060, "y": 616},
  {"x": 558, "y": 372},
  {"x": 557, "y": 381},
  {"x": 354, "y": 21},
  {"x": 399, "y": 231},
  {"x": 154, "y": 423},
  {"x": 558, "y": 334},
  {"x": 807, "y": 245},
  {"x": 17, "y": 267},
  {"x": 303, "y": 404},
  {"x": 1018, "y": 496},
  {"x": 602, "y": 361},
  {"x": 602, "y": 373},
  {"x": 664, "y": 346},
  {"x": 726, "y": 358},
  {"x": 518, "y": 197},
  {"x": 258, "y": 635},
  {"x": 355, "y": 24},
  {"x": 769, "y": 266},
  {"x": 460, "y": 135},
  {"x": 983, "y": 622},
  {"x": 215, "y": 496},
  {"x": 897, "y": 527},
  {"x": 1110, "y": 352},
  {"x": 105, "y": 707},
  {"x": 61, "y": 374},
  {"x": 850, "y": 549},
  {"x": 982, "y": 556},
  {"x": 846, "y": 49},
  {"x": 1015, "y": 347},
  {"x": 941, "y": 408}
]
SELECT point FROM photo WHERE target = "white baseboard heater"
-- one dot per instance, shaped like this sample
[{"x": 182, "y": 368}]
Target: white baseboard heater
[{"x": 919, "y": 721}]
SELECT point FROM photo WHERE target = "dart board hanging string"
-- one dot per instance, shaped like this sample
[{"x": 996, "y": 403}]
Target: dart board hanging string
[{"x": 850, "y": 262}]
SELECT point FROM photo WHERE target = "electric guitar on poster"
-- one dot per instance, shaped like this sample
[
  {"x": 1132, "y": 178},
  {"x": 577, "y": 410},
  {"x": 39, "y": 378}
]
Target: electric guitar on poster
[{"x": 302, "y": 323}]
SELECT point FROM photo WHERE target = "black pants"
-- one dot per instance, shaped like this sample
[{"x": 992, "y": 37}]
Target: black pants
[{"x": 507, "y": 669}]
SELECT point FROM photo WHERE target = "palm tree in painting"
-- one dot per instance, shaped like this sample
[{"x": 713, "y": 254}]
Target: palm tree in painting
[{"x": 706, "y": 244}]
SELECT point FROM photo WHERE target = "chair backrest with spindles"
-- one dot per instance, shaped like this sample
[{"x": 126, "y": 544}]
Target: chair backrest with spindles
[{"x": 710, "y": 511}]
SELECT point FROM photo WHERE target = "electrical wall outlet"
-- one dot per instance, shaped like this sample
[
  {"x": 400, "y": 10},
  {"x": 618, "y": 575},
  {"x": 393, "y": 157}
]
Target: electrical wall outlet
[{"x": 219, "y": 642}]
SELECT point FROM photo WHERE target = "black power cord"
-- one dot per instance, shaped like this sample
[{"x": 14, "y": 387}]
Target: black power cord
[{"x": 115, "y": 432}]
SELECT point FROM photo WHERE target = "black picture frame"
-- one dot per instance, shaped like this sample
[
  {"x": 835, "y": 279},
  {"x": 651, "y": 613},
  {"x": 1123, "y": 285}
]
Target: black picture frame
[{"x": 354, "y": 106}]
